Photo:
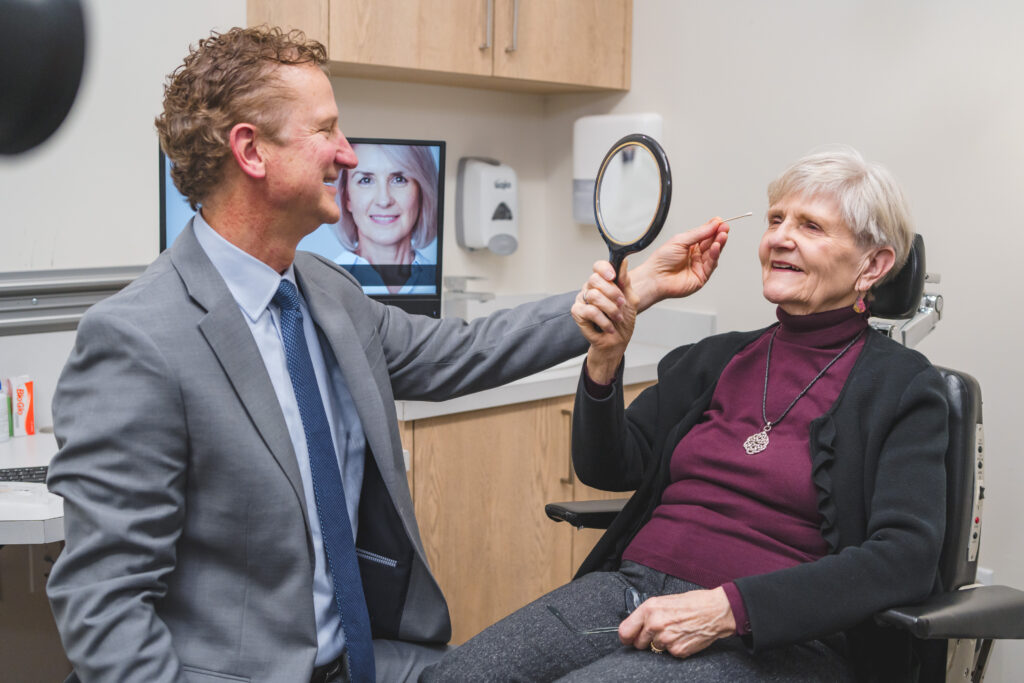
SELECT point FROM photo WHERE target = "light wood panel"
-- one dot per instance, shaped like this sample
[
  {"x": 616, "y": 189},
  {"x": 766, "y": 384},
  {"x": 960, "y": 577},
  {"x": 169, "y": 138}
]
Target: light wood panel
[
  {"x": 481, "y": 482},
  {"x": 435, "y": 35},
  {"x": 561, "y": 45},
  {"x": 309, "y": 16},
  {"x": 584, "y": 42}
]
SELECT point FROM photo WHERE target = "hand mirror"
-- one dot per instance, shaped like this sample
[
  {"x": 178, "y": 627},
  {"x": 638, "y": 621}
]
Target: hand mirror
[{"x": 632, "y": 195}]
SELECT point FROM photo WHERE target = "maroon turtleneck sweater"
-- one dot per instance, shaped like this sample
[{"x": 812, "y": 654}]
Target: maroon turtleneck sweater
[{"x": 726, "y": 514}]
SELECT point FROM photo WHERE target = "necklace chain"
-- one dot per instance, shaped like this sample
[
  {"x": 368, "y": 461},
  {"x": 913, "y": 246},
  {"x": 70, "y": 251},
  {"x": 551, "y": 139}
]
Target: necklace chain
[{"x": 756, "y": 443}]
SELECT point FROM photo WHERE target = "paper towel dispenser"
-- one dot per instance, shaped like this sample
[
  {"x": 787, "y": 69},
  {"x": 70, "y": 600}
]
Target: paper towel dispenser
[{"x": 591, "y": 137}]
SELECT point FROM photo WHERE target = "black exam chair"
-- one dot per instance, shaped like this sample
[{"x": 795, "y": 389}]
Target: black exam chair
[{"x": 956, "y": 628}]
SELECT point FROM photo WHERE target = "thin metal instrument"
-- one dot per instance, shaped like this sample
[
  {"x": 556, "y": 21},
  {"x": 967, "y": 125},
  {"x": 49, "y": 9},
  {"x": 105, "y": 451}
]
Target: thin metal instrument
[
  {"x": 742, "y": 215},
  {"x": 586, "y": 632}
]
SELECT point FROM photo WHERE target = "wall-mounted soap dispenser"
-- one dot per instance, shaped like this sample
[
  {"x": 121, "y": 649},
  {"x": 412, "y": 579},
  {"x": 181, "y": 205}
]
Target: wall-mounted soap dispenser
[{"x": 486, "y": 206}]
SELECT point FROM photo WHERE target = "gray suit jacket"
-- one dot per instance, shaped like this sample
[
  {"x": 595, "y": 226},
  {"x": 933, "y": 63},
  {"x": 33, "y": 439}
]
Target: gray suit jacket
[{"x": 188, "y": 553}]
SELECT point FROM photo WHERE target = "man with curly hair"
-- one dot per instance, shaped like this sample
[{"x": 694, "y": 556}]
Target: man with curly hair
[
  {"x": 236, "y": 505},
  {"x": 202, "y": 542}
]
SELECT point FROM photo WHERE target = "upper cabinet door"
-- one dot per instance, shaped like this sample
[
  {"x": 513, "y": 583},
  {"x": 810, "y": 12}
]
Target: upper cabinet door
[
  {"x": 575, "y": 42},
  {"x": 434, "y": 35},
  {"x": 309, "y": 16},
  {"x": 533, "y": 45}
]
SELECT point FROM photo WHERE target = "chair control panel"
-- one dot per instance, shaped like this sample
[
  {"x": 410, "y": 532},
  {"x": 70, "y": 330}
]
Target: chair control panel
[{"x": 979, "y": 493}]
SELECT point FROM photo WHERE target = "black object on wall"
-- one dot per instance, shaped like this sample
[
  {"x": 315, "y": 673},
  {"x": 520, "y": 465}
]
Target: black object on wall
[{"x": 42, "y": 52}]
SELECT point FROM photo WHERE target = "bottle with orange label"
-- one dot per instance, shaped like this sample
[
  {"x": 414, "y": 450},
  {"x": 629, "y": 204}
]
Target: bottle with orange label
[{"x": 23, "y": 406}]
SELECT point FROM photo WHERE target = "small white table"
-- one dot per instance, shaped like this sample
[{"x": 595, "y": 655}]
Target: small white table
[{"x": 28, "y": 512}]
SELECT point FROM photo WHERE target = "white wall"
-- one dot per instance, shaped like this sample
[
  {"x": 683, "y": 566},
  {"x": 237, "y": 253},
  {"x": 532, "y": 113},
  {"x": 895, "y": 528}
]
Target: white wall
[
  {"x": 932, "y": 89},
  {"x": 88, "y": 196},
  {"x": 505, "y": 126}
]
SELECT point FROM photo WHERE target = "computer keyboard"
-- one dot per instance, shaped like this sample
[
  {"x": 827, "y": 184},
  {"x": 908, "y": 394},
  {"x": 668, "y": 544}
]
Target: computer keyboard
[{"x": 29, "y": 474}]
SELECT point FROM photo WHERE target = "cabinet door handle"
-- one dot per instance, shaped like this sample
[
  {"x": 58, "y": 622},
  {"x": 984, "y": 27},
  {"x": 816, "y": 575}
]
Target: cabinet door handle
[
  {"x": 568, "y": 481},
  {"x": 488, "y": 26},
  {"x": 515, "y": 27}
]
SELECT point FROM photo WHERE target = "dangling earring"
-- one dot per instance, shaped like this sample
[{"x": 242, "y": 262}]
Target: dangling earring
[{"x": 860, "y": 306}]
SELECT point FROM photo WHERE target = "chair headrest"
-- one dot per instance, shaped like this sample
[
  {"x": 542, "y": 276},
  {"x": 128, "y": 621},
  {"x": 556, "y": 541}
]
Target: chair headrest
[{"x": 900, "y": 296}]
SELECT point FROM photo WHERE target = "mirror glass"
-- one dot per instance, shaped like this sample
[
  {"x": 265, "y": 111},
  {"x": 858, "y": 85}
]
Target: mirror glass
[
  {"x": 632, "y": 195},
  {"x": 629, "y": 193}
]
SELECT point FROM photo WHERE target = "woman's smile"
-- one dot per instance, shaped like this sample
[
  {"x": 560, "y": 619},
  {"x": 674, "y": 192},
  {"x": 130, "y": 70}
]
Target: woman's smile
[
  {"x": 810, "y": 258},
  {"x": 383, "y": 199}
]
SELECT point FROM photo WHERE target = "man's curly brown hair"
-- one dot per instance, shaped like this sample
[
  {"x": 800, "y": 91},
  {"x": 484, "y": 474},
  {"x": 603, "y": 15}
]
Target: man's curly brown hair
[{"x": 229, "y": 78}]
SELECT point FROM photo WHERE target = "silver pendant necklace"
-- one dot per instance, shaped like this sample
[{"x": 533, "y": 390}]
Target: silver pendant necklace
[{"x": 756, "y": 443}]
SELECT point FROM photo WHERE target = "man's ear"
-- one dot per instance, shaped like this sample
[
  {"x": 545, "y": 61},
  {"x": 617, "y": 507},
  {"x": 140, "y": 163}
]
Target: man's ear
[
  {"x": 248, "y": 154},
  {"x": 879, "y": 262}
]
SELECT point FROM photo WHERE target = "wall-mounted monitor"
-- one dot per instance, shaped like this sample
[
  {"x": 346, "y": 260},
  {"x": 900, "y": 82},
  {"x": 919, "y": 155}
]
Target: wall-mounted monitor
[{"x": 390, "y": 233}]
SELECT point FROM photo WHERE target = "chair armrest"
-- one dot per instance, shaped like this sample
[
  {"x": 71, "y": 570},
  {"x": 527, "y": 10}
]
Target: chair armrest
[
  {"x": 984, "y": 612},
  {"x": 589, "y": 514}
]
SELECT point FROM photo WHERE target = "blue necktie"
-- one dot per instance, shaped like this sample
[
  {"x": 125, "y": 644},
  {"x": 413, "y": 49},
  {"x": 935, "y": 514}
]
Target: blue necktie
[{"x": 332, "y": 512}]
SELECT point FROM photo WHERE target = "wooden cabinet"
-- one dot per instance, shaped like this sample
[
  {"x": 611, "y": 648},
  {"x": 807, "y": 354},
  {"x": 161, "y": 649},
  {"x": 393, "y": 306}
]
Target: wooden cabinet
[
  {"x": 30, "y": 648},
  {"x": 534, "y": 45},
  {"x": 481, "y": 480},
  {"x": 480, "y": 483},
  {"x": 431, "y": 35},
  {"x": 584, "y": 42}
]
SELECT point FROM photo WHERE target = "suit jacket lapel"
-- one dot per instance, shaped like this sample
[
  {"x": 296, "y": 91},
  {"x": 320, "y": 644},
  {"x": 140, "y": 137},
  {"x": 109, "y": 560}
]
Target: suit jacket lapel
[
  {"x": 228, "y": 335},
  {"x": 340, "y": 332}
]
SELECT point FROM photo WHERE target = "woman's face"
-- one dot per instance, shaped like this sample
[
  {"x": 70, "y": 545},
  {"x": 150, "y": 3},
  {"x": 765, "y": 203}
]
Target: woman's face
[
  {"x": 383, "y": 200},
  {"x": 810, "y": 260}
]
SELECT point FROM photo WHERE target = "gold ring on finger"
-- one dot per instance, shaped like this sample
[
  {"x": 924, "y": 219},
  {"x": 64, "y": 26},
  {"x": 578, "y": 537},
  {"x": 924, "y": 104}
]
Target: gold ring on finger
[{"x": 656, "y": 650}]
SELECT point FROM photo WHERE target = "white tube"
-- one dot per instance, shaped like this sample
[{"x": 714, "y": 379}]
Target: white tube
[{"x": 5, "y": 411}]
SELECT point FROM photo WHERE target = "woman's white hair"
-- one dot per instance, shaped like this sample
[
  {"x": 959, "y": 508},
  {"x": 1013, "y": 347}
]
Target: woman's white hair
[{"x": 870, "y": 200}]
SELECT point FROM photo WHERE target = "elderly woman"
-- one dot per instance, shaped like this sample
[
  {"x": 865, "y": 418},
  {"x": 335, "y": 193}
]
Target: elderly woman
[
  {"x": 790, "y": 480},
  {"x": 388, "y": 225}
]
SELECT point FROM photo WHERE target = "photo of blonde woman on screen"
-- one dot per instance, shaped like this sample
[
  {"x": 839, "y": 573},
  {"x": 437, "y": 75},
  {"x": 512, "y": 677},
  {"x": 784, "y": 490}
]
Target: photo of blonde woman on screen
[{"x": 388, "y": 226}]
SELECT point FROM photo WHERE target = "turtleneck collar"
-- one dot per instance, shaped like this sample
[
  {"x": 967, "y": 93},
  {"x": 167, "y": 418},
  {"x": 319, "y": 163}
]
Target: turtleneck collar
[{"x": 821, "y": 330}]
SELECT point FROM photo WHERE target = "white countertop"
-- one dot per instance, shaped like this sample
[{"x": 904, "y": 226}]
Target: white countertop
[
  {"x": 28, "y": 512},
  {"x": 28, "y": 451},
  {"x": 658, "y": 331},
  {"x": 31, "y": 514},
  {"x": 561, "y": 380}
]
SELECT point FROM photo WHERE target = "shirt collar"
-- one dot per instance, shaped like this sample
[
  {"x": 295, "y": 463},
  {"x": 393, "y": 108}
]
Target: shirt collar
[
  {"x": 350, "y": 258},
  {"x": 251, "y": 282}
]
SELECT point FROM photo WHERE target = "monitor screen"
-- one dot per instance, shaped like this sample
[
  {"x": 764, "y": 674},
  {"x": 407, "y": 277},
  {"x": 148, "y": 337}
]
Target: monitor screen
[{"x": 390, "y": 233}]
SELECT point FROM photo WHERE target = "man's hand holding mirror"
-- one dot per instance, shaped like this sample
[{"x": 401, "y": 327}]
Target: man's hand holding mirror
[
  {"x": 631, "y": 201},
  {"x": 607, "y": 306}
]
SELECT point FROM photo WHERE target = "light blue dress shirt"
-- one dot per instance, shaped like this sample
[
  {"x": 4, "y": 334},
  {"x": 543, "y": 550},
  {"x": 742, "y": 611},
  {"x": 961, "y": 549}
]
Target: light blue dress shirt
[{"x": 253, "y": 284}]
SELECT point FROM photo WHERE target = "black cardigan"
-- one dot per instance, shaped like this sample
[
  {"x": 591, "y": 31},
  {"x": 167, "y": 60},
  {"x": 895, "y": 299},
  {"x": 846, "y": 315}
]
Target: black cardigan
[{"x": 877, "y": 464}]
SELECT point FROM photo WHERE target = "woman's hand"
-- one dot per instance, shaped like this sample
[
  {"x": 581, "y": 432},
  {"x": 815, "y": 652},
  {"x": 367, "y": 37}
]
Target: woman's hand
[
  {"x": 606, "y": 314},
  {"x": 681, "y": 624},
  {"x": 681, "y": 266}
]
